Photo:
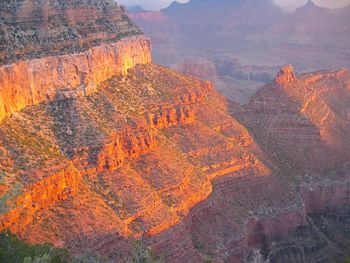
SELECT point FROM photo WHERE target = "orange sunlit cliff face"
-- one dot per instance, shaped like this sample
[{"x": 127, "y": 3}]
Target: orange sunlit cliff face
[{"x": 100, "y": 147}]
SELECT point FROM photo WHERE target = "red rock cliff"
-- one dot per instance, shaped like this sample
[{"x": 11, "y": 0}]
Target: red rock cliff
[
  {"x": 45, "y": 192},
  {"x": 30, "y": 82},
  {"x": 285, "y": 75}
]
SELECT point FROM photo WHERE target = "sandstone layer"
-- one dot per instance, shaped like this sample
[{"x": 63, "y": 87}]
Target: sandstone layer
[
  {"x": 30, "y": 82},
  {"x": 158, "y": 155},
  {"x": 302, "y": 122},
  {"x": 50, "y": 48},
  {"x": 146, "y": 149},
  {"x": 99, "y": 147},
  {"x": 35, "y": 29}
]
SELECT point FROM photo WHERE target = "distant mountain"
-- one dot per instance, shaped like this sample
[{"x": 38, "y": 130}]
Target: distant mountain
[
  {"x": 136, "y": 9},
  {"x": 310, "y": 11},
  {"x": 248, "y": 40},
  {"x": 318, "y": 22},
  {"x": 239, "y": 11},
  {"x": 343, "y": 13}
]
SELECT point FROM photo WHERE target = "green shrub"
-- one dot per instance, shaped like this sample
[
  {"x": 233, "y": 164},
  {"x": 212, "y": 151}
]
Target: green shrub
[
  {"x": 90, "y": 258},
  {"x": 13, "y": 250},
  {"x": 143, "y": 254}
]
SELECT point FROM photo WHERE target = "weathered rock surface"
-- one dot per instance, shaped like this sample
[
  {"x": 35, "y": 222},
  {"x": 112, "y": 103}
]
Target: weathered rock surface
[
  {"x": 146, "y": 148},
  {"x": 158, "y": 154},
  {"x": 302, "y": 123},
  {"x": 49, "y": 46},
  {"x": 101, "y": 147},
  {"x": 34, "y": 29},
  {"x": 51, "y": 187},
  {"x": 285, "y": 75},
  {"x": 29, "y": 82}
]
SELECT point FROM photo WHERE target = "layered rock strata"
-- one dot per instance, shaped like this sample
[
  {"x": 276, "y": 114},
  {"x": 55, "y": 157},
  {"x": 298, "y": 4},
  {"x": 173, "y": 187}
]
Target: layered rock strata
[
  {"x": 148, "y": 148},
  {"x": 301, "y": 122},
  {"x": 49, "y": 48},
  {"x": 30, "y": 82},
  {"x": 35, "y": 29},
  {"x": 57, "y": 186},
  {"x": 159, "y": 156},
  {"x": 98, "y": 151}
]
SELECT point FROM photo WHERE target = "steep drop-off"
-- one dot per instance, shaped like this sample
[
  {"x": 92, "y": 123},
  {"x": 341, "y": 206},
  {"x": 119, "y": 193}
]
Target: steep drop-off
[
  {"x": 157, "y": 154},
  {"x": 99, "y": 147},
  {"x": 34, "y": 29},
  {"x": 145, "y": 148},
  {"x": 29, "y": 82},
  {"x": 303, "y": 124},
  {"x": 52, "y": 47},
  {"x": 247, "y": 41}
]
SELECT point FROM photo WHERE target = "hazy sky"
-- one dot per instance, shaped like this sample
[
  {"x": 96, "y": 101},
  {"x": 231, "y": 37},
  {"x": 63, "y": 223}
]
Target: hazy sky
[{"x": 157, "y": 4}]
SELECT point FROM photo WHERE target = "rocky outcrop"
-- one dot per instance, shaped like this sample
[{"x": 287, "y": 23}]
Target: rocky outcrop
[
  {"x": 35, "y": 29},
  {"x": 63, "y": 49},
  {"x": 149, "y": 146},
  {"x": 30, "y": 82},
  {"x": 285, "y": 75},
  {"x": 130, "y": 142},
  {"x": 162, "y": 157},
  {"x": 51, "y": 187},
  {"x": 303, "y": 125},
  {"x": 102, "y": 147}
]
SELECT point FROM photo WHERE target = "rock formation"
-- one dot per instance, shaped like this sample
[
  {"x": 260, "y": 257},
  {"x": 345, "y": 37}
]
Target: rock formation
[
  {"x": 29, "y": 82},
  {"x": 100, "y": 147},
  {"x": 80, "y": 62},
  {"x": 302, "y": 122},
  {"x": 145, "y": 149},
  {"x": 200, "y": 68},
  {"x": 35, "y": 29},
  {"x": 248, "y": 41},
  {"x": 285, "y": 75},
  {"x": 157, "y": 154}
]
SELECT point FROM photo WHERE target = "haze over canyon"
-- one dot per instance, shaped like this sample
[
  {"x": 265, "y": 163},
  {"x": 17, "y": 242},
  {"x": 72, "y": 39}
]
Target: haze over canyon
[
  {"x": 159, "y": 4},
  {"x": 234, "y": 150},
  {"x": 240, "y": 45}
]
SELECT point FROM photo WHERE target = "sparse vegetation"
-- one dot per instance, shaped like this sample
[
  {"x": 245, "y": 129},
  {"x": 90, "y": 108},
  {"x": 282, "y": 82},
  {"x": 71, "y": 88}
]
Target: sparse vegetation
[
  {"x": 10, "y": 195},
  {"x": 17, "y": 40},
  {"x": 2, "y": 173},
  {"x": 90, "y": 258},
  {"x": 255, "y": 256},
  {"x": 143, "y": 254},
  {"x": 14, "y": 250}
]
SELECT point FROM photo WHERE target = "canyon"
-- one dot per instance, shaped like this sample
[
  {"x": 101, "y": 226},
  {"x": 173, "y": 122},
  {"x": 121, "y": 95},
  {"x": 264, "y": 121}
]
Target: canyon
[
  {"x": 100, "y": 147},
  {"x": 247, "y": 42}
]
